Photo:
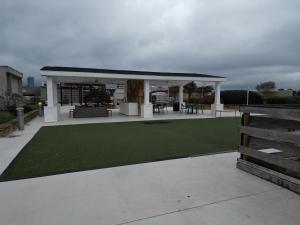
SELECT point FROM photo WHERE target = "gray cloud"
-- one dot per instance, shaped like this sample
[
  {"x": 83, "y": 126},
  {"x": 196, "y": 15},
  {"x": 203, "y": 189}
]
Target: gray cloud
[{"x": 247, "y": 41}]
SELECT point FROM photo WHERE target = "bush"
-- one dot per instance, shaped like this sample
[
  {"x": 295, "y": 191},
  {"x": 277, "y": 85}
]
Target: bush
[
  {"x": 239, "y": 97},
  {"x": 293, "y": 100},
  {"x": 12, "y": 110},
  {"x": 5, "y": 117},
  {"x": 283, "y": 100},
  {"x": 30, "y": 107}
]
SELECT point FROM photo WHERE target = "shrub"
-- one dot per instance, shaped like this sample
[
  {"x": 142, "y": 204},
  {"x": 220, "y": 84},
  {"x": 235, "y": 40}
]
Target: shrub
[
  {"x": 283, "y": 100},
  {"x": 30, "y": 107},
  {"x": 239, "y": 97},
  {"x": 5, "y": 117},
  {"x": 12, "y": 110},
  {"x": 293, "y": 100}
]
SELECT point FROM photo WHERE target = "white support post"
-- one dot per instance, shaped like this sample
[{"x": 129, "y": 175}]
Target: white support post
[
  {"x": 146, "y": 91},
  {"x": 180, "y": 96},
  {"x": 51, "y": 110},
  {"x": 147, "y": 108},
  {"x": 125, "y": 92},
  {"x": 217, "y": 104},
  {"x": 50, "y": 97}
]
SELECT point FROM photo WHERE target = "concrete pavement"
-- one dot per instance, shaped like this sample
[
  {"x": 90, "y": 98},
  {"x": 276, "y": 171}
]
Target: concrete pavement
[
  {"x": 200, "y": 190},
  {"x": 11, "y": 145}
]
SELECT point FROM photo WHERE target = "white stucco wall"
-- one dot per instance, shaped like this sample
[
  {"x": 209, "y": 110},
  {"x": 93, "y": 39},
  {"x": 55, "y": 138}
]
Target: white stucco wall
[
  {"x": 2, "y": 81},
  {"x": 15, "y": 78},
  {"x": 16, "y": 85}
]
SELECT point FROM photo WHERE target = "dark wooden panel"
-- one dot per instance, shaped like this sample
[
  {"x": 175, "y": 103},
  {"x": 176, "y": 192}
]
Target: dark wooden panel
[
  {"x": 289, "y": 150},
  {"x": 272, "y": 135},
  {"x": 271, "y": 123},
  {"x": 272, "y": 159},
  {"x": 279, "y": 113}
]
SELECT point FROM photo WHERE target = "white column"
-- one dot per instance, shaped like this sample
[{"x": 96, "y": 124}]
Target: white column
[
  {"x": 147, "y": 108},
  {"x": 54, "y": 87},
  {"x": 50, "y": 97},
  {"x": 217, "y": 93},
  {"x": 217, "y": 104},
  {"x": 146, "y": 92},
  {"x": 125, "y": 92},
  {"x": 180, "y": 95},
  {"x": 51, "y": 110}
]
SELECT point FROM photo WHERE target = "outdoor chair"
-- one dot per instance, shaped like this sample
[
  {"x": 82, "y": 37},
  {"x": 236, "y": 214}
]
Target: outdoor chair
[
  {"x": 165, "y": 107},
  {"x": 156, "y": 108},
  {"x": 109, "y": 111},
  {"x": 200, "y": 107},
  {"x": 71, "y": 113},
  {"x": 183, "y": 108}
]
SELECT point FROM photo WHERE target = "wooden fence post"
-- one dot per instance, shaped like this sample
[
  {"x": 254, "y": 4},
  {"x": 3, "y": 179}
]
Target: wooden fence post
[{"x": 245, "y": 137}]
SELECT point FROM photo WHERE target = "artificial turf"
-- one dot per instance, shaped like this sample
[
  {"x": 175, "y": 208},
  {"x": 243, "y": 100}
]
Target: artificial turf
[{"x": 60, "y": 149}]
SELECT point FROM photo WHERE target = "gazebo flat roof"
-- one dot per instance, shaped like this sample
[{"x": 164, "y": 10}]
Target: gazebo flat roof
[{"x": 126, "y": 72}]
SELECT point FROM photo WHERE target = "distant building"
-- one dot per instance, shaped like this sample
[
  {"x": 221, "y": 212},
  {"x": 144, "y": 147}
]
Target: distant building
[
  {"x": 31, "y": 94},
  {"x": 30, "y": 82},
  {"x": 10, "y": 87},
  {"x": 278, "y": 93}
]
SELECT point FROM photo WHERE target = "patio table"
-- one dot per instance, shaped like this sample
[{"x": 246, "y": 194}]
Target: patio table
[
  {"x": 194, "y": 108},
  {"x": 158, "y": 107}
]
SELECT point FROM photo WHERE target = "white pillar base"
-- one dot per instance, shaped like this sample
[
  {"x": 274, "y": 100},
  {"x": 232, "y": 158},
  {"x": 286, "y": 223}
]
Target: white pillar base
[
  {"x": 50, "y": 114},
  {"x": 147, "y": 111},
  {"x": 215, "y": 107}
]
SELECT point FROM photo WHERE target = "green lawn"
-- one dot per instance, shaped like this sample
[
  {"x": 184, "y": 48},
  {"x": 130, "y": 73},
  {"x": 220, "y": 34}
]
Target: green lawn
[{"x": 60, "y": 149}]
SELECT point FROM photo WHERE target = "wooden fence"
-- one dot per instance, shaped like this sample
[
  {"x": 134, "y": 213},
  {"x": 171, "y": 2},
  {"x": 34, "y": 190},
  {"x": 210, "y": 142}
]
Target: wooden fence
[{"x": 270, "y": 143}]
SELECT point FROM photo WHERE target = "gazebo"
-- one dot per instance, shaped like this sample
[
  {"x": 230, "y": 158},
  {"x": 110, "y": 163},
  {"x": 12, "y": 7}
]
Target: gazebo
[{"x": 135, "y": 82}]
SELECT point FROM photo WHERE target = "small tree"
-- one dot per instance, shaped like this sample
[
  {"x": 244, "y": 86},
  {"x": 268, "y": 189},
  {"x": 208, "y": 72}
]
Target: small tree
[
  {"x": 190, "y": 88},
  {"x": 205, "y": 89},
  {"x": 98, "y": 96},
  {"x": 266, "y": 86}
]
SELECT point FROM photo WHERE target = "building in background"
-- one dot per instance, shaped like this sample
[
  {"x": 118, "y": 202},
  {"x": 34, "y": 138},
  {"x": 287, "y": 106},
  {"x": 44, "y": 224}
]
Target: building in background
[
  {"x": 31, "y": 93},
  {"x": 277, "y": 93},
  {"x": 30, "y": 82},
  {"x": 10, "y": 87}
]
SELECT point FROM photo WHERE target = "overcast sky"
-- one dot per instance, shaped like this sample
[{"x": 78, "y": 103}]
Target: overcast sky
[{"x": 248, "y": 41}]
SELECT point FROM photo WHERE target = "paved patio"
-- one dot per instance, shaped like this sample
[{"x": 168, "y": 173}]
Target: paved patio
[
  {"x": 64, "y": 118},
  {"x": 200, "y": 190}
]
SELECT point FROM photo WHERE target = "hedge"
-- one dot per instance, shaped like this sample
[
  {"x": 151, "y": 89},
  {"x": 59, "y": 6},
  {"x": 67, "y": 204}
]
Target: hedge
[
  {"x": 283, "y": 100},
  {"x": 6, "y": 116},
  {"x": 239, "y": 97}
]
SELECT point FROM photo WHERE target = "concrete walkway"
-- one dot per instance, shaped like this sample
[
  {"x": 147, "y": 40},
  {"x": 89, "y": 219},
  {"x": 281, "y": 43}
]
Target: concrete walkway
[
  {"x": 11, "y": 145},
  {"x": 200, "y": 190}
]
